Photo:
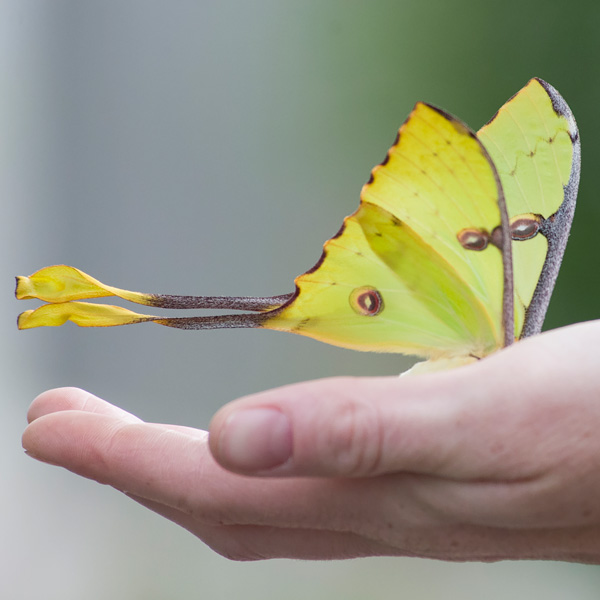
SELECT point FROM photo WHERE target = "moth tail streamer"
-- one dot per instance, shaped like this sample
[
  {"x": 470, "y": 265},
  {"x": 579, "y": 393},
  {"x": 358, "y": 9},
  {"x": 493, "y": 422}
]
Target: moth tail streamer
[{"x": 63, "y": 287}]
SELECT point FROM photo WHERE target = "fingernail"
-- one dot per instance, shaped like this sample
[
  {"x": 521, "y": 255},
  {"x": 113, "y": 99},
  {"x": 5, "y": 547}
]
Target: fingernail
[
  {"x": 256, "y": 439},
  {"x": 35, "y": 457}
]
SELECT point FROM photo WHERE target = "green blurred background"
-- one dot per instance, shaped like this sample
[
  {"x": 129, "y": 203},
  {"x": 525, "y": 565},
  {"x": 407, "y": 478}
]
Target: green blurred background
[{"x": 211, "y": 148}]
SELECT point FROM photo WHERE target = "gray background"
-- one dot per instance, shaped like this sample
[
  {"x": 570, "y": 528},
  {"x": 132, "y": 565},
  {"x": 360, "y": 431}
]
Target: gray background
[{"x": 211, "y": 148}]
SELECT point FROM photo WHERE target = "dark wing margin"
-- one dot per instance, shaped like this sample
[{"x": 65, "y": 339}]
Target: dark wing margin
[{"x": 555, "y": 229}]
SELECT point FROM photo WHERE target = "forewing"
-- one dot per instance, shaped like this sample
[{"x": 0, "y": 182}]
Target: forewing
[{"x": 437, "y": 298}]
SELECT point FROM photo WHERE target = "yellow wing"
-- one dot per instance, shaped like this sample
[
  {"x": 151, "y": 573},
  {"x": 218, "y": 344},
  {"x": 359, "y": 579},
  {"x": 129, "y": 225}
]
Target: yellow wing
[
  {"x": 534, "y": 143},
  {"x": 401, "y": 253}
]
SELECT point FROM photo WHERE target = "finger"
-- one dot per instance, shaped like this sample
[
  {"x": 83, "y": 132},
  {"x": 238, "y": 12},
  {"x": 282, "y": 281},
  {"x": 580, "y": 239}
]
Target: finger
[
  {"x": 108, "y": 448},
  {"x": 345, "y": 427},
  {"x": 70, "y": 398},
  {"x": 176, "y": 469},
  {"x": 502, "y": 417}
]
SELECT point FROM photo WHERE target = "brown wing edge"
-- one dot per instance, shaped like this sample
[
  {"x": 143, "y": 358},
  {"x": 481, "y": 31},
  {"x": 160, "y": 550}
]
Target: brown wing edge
[{"x": 556, "y": 229}]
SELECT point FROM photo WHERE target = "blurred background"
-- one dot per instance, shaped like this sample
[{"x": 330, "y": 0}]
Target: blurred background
[{"x": 200, "y": 147}]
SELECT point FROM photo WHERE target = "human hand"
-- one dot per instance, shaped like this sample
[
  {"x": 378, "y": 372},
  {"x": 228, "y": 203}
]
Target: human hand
[{"x": 498, "y": 459}]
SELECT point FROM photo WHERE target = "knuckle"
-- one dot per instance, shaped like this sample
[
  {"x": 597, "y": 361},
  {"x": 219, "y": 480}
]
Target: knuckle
[{"x": 353, "y": 439}]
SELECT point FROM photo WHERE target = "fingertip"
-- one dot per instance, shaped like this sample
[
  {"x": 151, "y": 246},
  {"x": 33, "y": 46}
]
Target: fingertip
[
  {"x": 72, "y": 398},
  {"x": 145, "y": 459},
  {"x": 79, "y": 441},
  {"x": 28, "y": 440},
  {"x": 46, "y": 433},
  {"x": 55, "y": 400},
  {"x": 285, "y": 431},
  {"x": 252, "y": 440}
]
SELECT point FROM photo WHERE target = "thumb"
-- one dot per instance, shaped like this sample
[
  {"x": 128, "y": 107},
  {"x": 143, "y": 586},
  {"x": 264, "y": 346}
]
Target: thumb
[
  {"x": 345, "y": 427},
  {"x": 466, "y": 423}
]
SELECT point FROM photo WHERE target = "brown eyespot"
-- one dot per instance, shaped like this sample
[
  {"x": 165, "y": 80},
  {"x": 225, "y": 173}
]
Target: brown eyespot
[
  {"x": 366, "y": 301},
  {"x": 473, "y": 239},
  {"x": 524, "y": 227}
]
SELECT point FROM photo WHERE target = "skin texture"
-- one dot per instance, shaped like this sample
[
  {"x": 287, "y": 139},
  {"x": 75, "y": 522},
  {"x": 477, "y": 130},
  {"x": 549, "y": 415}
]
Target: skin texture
[{"x": 495, "y": 460}]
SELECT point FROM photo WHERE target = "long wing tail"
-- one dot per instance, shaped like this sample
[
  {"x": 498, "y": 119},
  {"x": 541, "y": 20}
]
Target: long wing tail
[{"x": 63, "y": 288}]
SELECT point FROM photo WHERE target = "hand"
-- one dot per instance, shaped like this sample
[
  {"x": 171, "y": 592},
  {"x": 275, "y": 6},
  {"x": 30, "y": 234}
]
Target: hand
[{"x": 498, "y": 459}]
